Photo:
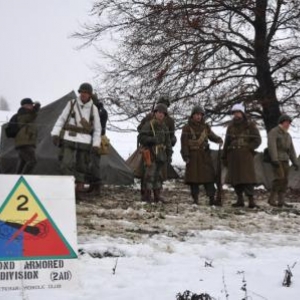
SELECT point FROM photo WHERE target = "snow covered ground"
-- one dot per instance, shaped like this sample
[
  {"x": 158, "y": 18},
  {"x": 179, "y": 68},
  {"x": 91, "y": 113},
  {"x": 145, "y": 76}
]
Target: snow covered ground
[{"x": 160, "y": 267}]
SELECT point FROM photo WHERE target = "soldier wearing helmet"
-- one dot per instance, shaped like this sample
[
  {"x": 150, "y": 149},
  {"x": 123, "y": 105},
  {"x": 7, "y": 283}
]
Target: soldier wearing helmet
[
  {"x": 281, "y": 151},
  {"x": 157, "y": 152},
  {"x": 169, "y": 121},
  {"x": 242, "y": 138},
  {"x": 78, "y": 132},
  {"x": 195, "y": 152}
]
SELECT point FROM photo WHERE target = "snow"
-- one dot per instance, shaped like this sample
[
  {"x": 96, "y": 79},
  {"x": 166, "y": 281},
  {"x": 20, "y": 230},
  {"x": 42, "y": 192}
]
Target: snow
[{"x": 160, "y": 267}]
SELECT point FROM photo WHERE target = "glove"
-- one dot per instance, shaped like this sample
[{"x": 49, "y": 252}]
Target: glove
[
  {"x": 56, "y": 140},
  {"x": 296, "y": 167},
  {"x": 173, "y": 140},
  {"x": 275, "y": 164},
  {"x": 37, "y": 105}
]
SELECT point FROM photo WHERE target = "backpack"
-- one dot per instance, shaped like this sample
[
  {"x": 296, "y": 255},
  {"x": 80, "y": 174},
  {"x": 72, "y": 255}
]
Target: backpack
[{"x": 12, "y": 128}]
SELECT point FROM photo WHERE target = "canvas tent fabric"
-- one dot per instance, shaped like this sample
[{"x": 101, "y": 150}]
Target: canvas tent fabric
[{"x": 113, "y": 168}]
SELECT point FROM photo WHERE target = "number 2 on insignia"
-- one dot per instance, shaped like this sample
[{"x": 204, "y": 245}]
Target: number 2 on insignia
[{"x": 22, "y": 205}]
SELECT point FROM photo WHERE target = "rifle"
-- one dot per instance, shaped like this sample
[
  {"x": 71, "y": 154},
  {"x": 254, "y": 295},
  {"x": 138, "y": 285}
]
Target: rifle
[{"x": 219, "y": 194}]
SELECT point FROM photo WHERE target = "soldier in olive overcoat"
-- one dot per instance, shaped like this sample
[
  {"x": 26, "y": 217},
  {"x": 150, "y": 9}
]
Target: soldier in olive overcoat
[
  {"x": 242, "y": 138},
  {"x": 196, "y": 154}
]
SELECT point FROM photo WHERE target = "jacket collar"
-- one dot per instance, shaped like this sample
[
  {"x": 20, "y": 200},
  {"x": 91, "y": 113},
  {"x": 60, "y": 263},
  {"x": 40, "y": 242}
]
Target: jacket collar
[{"x": 83, "y": 105}]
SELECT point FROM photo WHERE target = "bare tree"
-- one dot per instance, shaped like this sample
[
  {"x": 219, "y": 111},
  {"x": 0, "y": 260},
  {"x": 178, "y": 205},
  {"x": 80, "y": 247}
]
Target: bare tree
[
  {"x": 210, "y": 52},
  {"x": 3, "y": 104}
]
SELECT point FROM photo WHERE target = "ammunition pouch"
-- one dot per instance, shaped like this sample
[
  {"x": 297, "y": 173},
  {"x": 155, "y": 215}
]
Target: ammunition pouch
[
  {"x": 76, "y": 129},
  {"x": 86, "y": 125},
  {"x": 160, "y": 153},
  {"x": 194, "y": 145}
]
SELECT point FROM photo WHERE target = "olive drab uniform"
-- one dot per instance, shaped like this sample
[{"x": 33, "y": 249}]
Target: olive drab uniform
[
  {"x": 26, "y": 138},
  {"x": 281, "y": 151},
  {"x": 196, "y": 154},
  {"x": 242, "y": 138},
  {"x": 155, "y": 140},
  {"x": 168, "y": 120}
]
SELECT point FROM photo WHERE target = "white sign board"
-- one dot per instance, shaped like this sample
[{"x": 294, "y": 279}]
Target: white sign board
[{"x": 38, "y": 238}]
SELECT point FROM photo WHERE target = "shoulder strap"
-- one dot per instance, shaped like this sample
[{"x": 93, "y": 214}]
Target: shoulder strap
[
  {"x": 202, "y": 137},
  {"x": 70, "y": 112},
  {"x": 193, "y": 133},
  {"x": 152, "y": 127}
]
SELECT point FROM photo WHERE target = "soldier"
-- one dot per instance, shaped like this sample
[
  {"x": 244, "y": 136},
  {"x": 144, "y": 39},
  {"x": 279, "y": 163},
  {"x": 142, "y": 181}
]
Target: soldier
[
  {"x": 95, "y": 177},
  {"x": 78, "y": 132},
  {"x": 196, "y": 154},
  {"x": 242, "y": 138},
  {"x": 25, "y": 140},
  {"x": 157, "y": 151},
  {"x": 170, "y": 123},
  {"x": 281, "y": 150}
]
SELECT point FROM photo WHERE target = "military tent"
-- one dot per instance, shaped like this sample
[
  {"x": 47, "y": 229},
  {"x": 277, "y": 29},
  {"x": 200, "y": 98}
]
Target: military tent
[{"x": 113, "y": 168}]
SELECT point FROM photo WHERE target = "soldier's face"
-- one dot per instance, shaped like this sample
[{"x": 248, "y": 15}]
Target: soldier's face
[
  {"x": 28, "y": 106},
  {"x": 159, "y": 115},
  {"x": 85, "y": 97},
  {"x": 197, "y": 117},
  {"x": 237, "y": 115},
  {"x": 286, "y": 125}
]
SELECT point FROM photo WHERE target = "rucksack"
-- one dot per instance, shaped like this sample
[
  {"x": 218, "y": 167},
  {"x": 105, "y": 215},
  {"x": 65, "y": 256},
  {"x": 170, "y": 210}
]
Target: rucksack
[{"x": 12, "y": 128}]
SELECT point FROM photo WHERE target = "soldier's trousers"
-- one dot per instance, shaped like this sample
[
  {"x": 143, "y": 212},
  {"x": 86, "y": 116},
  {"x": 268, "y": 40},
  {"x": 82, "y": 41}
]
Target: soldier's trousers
[
  {"x": 94, "y": 176},
  {"x": 27, "y": 159},
  {"x": 246, "y": 188},
  {"x": 281, "y": 177},
  {"x": 209, "y": 189},
  {"x": 76, "y": 160},
  {"x": 152, "y": 177}
]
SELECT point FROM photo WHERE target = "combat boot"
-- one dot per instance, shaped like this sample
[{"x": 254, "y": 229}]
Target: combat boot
[
  {"x": 79, "y": 191},
  {"x": 95, "y": 190},
  {"x": 252, "y": 203},
  {"x": 157, "y": 196},
  {"x": 146, "y": 196},
  {"x": 195, "y": 193},
  {"x": 240, "y": 201},
  {"x": 211, "y": 200},
  {"x": 281, "y": 202},
  {"x": 272, "y": 198}
]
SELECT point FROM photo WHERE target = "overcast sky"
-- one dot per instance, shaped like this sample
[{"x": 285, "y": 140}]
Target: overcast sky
[{"x": 38, "y": 58}]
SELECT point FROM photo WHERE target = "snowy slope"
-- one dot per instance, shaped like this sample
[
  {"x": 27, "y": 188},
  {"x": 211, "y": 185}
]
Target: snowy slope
[{"x": 161, "y": 267}]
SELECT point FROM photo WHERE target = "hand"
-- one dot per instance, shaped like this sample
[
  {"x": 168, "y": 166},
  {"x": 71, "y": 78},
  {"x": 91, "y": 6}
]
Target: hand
[
  {"x": 56, "y": 140},
  {"x": 37, "y": 105},
  {"x": 296, "y": 167},
  {"x": 275, "y": 164},
  {"x": 173, "y": 140}
]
